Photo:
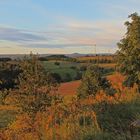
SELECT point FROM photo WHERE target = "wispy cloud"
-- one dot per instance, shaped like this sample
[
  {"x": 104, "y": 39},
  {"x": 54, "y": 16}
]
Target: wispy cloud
[
  {"x": 13, "y": 34},
  {"x": 72, "y": 34},
  {"x": 63, "y": 26}
]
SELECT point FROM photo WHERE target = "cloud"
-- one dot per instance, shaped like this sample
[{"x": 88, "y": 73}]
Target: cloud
[
  {"x": 102, "y": 33},
  {"x": 72, "y": 35},
  {"x": 12, "y": 34}
]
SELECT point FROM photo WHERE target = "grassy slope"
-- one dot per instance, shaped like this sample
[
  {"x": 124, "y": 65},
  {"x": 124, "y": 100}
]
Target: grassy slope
[{"x": 63, "y": 69}]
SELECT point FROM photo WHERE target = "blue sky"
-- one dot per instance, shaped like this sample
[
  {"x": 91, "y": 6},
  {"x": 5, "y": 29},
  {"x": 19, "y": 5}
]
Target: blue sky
[{"x": 63, "y": 26}]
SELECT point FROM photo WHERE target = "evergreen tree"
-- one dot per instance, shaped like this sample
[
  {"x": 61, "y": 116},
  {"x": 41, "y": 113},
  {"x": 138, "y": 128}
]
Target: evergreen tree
[
  {"x": 93, "y": 81},
  {"x": 129, "y": 52},
  {"x": 32, "y": 81}
]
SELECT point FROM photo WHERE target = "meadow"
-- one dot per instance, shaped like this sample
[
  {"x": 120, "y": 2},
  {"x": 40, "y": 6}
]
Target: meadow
[{"x": 64, "y": 69}]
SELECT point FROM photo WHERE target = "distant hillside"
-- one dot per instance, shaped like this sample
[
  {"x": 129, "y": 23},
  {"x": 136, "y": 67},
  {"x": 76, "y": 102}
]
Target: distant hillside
[{"x": 73, "y": 55}]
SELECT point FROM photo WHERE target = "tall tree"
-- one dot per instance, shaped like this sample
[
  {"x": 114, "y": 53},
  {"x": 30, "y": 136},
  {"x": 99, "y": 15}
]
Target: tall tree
[
  {"x": 93, "y": 81},
  {"x": 129, "y": 52},
  {"x": 35, "y": 86}
]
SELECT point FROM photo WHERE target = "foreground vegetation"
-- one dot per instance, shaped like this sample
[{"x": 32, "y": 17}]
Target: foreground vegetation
[
  {"x": 36, "y": 111},
  {"x": 101, "y": 117}
]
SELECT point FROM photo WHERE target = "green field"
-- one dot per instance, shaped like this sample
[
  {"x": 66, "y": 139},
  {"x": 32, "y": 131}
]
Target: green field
[
  {"x": 70, "y": 71},
  {"x": 67, "y": 70},
  {"x": 63, "y": 64}
]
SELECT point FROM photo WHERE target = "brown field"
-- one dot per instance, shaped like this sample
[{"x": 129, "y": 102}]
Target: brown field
[
  {"x": 70, "y": 88},
  {"x": 109, "y": 65},
  {"x": 110, "y": 57},
  {"x": 104, "y": 65}
]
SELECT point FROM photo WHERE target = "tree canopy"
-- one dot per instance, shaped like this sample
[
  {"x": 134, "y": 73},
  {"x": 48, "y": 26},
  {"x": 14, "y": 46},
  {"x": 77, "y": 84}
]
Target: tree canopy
[
  {"x": 35, "y": 86},
  {"x": 129, "y": 52},
  {"x": 93, "y": 81}
]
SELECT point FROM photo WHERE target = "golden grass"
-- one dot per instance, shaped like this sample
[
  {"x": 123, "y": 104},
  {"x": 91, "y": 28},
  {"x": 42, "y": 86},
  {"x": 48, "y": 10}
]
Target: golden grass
[
  {"x": 108, "y": 65},
  {"x": 8, "y": 107}
]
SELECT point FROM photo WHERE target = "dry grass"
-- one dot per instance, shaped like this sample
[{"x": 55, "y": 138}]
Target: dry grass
[
  {"x": 62, "y": 121},
  {"x": 8, "y": 107},
  {"x": 69, "y": 88}
]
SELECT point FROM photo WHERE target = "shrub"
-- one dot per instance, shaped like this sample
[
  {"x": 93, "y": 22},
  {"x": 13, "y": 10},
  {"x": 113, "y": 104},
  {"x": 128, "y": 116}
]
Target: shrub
[
  {"x": 57, "y": 77},
  {"x": 57, "y": 63},
  {"x": 32, "y": 97},
  {"x": 93, "y": 81}
]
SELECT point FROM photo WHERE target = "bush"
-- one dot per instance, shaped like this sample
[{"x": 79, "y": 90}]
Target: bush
[
  {"x": 57, "y": 77},
  {"x": 93, "y": 81},
  {"x": 8, "y": 75},
  {"x": 67, "y": 77},
  {"x": 57, "y": 63},
  {"x": 73, "y": 67},
  {"x": 83, "y": 68}
]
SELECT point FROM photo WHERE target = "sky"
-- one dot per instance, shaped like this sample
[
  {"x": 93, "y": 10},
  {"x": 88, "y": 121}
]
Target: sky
[{"x": 63, "y": 26}]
